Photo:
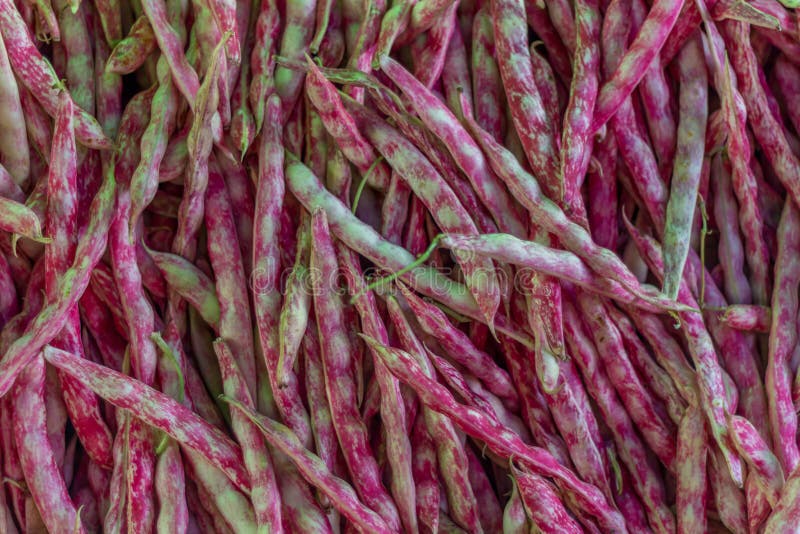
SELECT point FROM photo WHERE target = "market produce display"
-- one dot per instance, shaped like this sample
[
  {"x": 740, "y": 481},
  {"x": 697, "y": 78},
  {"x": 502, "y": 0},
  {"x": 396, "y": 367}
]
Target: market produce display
[{"x": 399, "y": 266}]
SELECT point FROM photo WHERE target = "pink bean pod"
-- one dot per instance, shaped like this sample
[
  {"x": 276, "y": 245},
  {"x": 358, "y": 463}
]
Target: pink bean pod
[
  {"x": 690, "y": 468},
  {"x": 264, "y": 491},
  {"x": 337, "y": 360},
  {"x": 782, "y": 416},
  {"x": 501, "y": 440},
  {"x": 544, "y": 506},
  {"x": 266, "y": 269},
  {"x": 634, "y": 64},
  {"x": 38, "y": 76},
  {"x": 14, "y": 146},
  {"x": 158, "y": 410}
]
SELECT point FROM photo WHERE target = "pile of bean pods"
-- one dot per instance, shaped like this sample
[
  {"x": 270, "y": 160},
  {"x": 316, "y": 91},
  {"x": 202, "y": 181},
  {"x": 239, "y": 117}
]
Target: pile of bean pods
[{"x": 383, "y": 266}]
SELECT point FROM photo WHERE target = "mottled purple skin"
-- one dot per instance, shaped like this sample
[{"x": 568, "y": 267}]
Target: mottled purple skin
[
  {"x": 634, "y": 148},
  {"x": 316, "y": 142},
  {"x": 456, "y": 76},
  {"x": 425, "y": 13},
  {"x": 139, "y": 477},
  {"x": 463, "y": 148},
  {"x": 262, "y": 59},
  {"x": 524, "y": 101},
  {"x": 36, "y": 459},
  {"x": 450, "y": 450},
  {"x": 8, "y": 188},
  {"x": 51, "y": 319},
  {"x": 266, "y": 263},
  {"x": 430, "y": 51},
  {"x": 138, "y": 311},
  {"x": 229, "y": 508},
  {"x": 264, "y": 492},
  {"x": 169, "y": 41},
  {"x": 295, "y": 311},
  {"x": 544, "y": 505},
  {"x": 686, "y": 25},
  {"x": 157, "y": 410},
  {"x": 786, "y": 514},
  {"x": 169, "y": 478},
  {"x": 204, "y": 36},
  {"x": 629, "y": 504},
  {"x": 747, "y": 318},
  {"x": 548, "y": 87},
  {"x": 337, "y": 363},
  {"x": 95, "y": 318},
  {"x": 758, "y": 508},
  {"x": 139, "y": 318},
  {"x": 342, "y": 128},
  {"x": 38, "y": 76},
  {"x": 633, "y": 453},
  {"x": 534, "y": 408},
  {"x": 461, "y": 349},
  {"x": 108, "y": 11},
  {"x": 456, "y": 381},
  {"x": 11, "y": 465},
  {"x": 602, "y": 193},
  {"x": 325, "y": 440},
  {"x": 38, "y": 390},
  {"x": 294, "y": 41},
  {"x": 564, "y": 17},
  {"x": 40, "y": 17},
  {"x": 394, "y": 211},
  {"x": 704, "y": 355},
  {"x": 538, "y": 19},
  {"x": 235, "y": 323},
  {"x": 104, "y": 287},
  {"x": 654, "y": 376},
  {"x": 782, "y": 338},
  {"x": 657, "y": 102},
  {"x": 692, "y": 490},
  {"x": 631, "y": 390},
  {"x": 76, "y": 42},
  {"x": 554, "y": 262},
  {"x": 108, "y": 86},
  {"x": 489, "y": 511},
  {"x": 499, "y": 439},
  {"x": 547, "y": 214},
  {"x": 14, "y": 146},
  {"x": 392, "y": 408},
  {"x": 438, "y": 196},
  {"x": 787, "y": 77},
  {"x": 426, "y": 476},
  {"x": 9, "y": 303},
  {"x": 61, "y": 220},
  {"x": 487, "y": 87},
  {"x": 768, "y": 131},
  {"x": 515, "y": 518},
  {"x": 731, "y": 249},
  {"x": 636, "y": 61},
  {"x": 153, "y": 143},
  {"x": 687, "y": 167},
  {"x": 225, "y": 15},
  {"x": 199, "y": 144},
  {"x": 743, "y": 179},
  {"x": 576, "y": 139},
  {"x": 243, "y": 125},
  {"x": 170, "y": 490},
  {"x": 567, "y": 401},
  {"x": 315, "y": 472},
  {"x": 191, "y": 284},
  {"x": 759, "y": 458},
  {"x": 17, "y": 218}
]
